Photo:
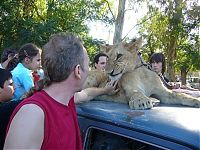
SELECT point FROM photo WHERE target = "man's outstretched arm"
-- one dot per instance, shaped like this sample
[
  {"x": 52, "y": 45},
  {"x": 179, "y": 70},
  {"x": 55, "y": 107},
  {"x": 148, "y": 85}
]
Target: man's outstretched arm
[{"x": 90, "y": 93}]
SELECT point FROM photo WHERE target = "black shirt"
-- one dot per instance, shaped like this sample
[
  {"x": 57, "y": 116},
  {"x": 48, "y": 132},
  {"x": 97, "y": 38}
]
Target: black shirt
[
  {"x": 165, "y": 81},
  {"x": 6, "y": 110}
]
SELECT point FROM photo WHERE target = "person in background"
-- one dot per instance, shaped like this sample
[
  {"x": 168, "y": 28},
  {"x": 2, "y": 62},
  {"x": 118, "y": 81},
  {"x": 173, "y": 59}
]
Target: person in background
[
  {"x": 48, "y": 119},
  {"x": 100, "y": 61},
  {"x": 29, "y": 59},
  {"x": 6, "y": 105},
  {"x": 157, "y": 61},
  {"x": 6, "y": 109},
  {"x": 7, "y": 55},
  {"x": 6, "y": 86}
]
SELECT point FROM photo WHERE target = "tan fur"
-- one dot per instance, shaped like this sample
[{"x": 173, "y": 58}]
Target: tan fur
[{"x": 136, "y": 82}]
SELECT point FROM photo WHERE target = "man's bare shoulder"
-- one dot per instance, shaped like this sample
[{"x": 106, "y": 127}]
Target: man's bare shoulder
[
  {"x": 26, "y": 129},
  {"x": 27, "y": 114},
  {"x": 30, "y": 110}
]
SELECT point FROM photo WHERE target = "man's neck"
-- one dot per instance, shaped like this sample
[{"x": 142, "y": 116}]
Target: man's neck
[{"x": 60, "y": 92}]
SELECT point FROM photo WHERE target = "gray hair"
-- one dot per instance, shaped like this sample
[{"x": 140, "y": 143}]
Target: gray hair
[{"x": 61, "y": 55}]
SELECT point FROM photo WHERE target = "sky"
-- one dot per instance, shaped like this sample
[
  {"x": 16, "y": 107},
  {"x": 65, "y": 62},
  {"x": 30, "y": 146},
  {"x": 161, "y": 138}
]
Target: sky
[{"x": 99, "y": 30}]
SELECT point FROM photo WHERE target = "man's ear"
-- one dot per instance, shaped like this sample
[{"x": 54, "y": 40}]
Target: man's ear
[
  {"x": 77, "y": 72},
  {"x": 95, "y": 65}
]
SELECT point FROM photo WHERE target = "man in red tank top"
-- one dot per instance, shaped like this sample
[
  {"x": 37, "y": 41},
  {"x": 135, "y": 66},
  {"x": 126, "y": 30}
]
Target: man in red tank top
[{"x": 48, "y": 119}]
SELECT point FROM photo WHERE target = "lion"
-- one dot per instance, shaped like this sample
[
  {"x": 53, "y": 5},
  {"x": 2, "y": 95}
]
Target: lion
[{"x": 137, "y": 84}]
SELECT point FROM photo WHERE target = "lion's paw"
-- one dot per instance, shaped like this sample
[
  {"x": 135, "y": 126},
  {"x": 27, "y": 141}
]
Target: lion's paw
[{"x": 140, "y": 104}]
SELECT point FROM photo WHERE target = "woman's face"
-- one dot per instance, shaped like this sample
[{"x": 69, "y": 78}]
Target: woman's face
[
  {"x": 35, "y": 62},
  {"x": 157, "y": 67}
]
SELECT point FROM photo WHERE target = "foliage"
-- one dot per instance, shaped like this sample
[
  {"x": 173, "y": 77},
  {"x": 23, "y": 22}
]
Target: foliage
[
  {"x": 35, "y": 20},
  {"x": 152, "y": 31},
  {"x": 188, "y": 55},
  {"x": 92, "y": 46},
  {"x": 171, "y": 27}
]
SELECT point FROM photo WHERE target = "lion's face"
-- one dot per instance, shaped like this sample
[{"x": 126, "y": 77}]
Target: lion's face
[{"x": 121, "y": 58}]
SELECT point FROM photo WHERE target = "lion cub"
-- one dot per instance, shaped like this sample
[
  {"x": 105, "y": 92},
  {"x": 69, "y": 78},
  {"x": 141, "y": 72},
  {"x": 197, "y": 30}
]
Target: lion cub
[{"x": 137, "y": 84}]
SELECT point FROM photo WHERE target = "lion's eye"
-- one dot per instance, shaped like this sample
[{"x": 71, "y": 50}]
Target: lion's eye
[{"x": 118, "y": 56}]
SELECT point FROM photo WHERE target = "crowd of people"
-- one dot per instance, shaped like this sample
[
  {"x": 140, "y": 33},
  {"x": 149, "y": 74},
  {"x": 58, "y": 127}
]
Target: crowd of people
[
  {"x": 40, "y": 87},
  {"x": 65, "y": 65}
]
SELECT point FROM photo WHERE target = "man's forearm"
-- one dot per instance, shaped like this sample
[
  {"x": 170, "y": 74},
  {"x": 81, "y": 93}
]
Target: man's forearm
[{"x": 89, "y": 93}]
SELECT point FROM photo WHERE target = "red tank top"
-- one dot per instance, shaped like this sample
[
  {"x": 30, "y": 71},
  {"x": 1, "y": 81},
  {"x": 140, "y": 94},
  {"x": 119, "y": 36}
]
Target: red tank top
[{"x": 61, "y": 125}]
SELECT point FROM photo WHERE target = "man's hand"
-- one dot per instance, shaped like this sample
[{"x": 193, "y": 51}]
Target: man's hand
[
  {"x": 90, "y": 93},
  {"x": 111, "y": 87}
]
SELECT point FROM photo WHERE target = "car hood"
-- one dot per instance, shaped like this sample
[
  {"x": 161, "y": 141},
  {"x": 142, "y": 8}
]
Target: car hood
[{"x": 175, "y": 122}]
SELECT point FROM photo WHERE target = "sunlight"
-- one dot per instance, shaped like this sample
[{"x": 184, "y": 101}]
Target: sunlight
[{"x": 99, "y": 30}]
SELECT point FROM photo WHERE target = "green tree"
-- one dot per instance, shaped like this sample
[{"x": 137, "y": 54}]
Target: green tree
[
  {"x": 35, "y": 20},
  {"x": 168, "y": 26},
  {"x": 188, "y": 57}
]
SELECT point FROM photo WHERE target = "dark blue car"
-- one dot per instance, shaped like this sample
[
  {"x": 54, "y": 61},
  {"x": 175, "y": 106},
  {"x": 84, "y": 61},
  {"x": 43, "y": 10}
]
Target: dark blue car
[{"x": 114, "y": 126}]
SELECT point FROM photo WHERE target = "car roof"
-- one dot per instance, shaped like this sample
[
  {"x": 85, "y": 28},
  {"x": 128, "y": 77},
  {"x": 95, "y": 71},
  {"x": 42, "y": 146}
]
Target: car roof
[{"x": 178, "y": 123}]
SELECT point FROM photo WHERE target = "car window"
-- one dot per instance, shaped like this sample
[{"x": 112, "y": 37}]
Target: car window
[{"x": 103, "y": 140}]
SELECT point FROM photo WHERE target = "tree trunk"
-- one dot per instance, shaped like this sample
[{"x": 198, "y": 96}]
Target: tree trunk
[
  {"x": 183, "y": 76},
  {"x": 171, "y": 56},
  {"x": 119, "y": 23},
  {"x": 174, "y": 35}
]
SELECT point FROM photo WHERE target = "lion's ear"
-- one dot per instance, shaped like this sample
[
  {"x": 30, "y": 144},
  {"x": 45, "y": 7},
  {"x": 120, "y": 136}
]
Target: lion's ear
[
  {"x": 135, "y": 44},
  {"x": 105, "y": 48}
]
